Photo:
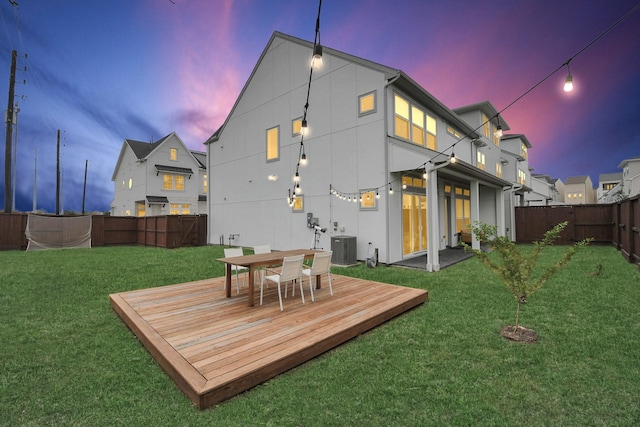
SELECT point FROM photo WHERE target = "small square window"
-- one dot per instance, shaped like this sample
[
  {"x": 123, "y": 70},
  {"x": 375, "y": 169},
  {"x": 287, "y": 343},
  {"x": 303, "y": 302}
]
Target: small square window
[
  {"x": 368, "y": 200},
  {"x": 298, "y": 203},
  {"x": 367, "y": 103}
]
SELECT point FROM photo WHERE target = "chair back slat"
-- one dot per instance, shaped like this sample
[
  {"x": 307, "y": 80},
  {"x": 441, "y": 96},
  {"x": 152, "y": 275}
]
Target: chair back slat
[
  {"x": 232, "y": 252},
  {"x": 321, "y": 263},
  {"x": 291, "y": 268}
]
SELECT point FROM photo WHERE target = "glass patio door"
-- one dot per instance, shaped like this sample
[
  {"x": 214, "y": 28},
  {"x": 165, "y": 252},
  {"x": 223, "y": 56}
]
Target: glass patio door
[{"x": 414, "y": 223}]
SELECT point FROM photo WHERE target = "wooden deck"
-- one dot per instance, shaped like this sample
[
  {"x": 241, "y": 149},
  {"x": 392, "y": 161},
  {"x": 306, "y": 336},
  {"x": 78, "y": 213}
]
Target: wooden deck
[{"x": 215, "y": 347}]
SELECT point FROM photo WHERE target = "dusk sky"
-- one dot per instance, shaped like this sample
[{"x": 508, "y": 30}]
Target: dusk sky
[{"x": 106, "y": 71}]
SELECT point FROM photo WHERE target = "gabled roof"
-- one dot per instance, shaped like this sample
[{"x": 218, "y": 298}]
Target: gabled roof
[
  {"x": 520, "y": 136},
  {"x": 580, "y": 179},
  {"x": 615, "y": 177},
  {"x": 624, "y": 162},
  {"x": 487, "y": 108},
  {"x": 393, "y": 76},
  {"x": 142, "y": 150}
]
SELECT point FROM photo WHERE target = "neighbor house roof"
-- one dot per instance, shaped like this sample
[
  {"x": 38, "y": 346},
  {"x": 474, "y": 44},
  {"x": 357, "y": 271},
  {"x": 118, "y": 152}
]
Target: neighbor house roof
[
  {"x": 608, "y": 177},
  {"x": 625, "y": 161},
  {"x": 580, "y": 179}
]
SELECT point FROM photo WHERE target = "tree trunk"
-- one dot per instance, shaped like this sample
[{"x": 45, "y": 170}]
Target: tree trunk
[{"x": 517, "y": 314}]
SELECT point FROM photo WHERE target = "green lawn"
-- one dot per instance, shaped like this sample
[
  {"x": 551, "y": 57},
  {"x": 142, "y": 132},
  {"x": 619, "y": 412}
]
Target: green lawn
[{"x": 67, "y": 359}]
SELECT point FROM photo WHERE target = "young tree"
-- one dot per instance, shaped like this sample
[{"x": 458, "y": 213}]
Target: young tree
[{"x": 518, "y": 269}]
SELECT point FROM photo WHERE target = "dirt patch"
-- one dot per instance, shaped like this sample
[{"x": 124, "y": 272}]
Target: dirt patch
[{"x": 521, "y": 334}]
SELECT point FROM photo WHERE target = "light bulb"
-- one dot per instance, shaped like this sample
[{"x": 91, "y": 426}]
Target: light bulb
[{"x": 568, "y": 83}]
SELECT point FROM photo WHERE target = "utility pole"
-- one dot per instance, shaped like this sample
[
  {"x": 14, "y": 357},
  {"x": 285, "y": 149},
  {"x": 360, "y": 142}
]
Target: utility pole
[
  {"x": 8, "y": 203},
  {"x": 35, "y": 176},
  {"x": 58, "y": 177},
  {"x": 84, "y": 191}
]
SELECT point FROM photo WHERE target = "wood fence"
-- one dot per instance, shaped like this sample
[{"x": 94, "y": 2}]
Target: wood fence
[
  {"x": 616, "y": 223},
  {"x": 170, "y": 231}
]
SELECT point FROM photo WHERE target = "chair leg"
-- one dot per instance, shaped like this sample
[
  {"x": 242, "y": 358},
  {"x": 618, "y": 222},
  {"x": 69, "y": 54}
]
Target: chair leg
[
  {"x": 280, "y": 297},
  {"x": 261, "y": 288},
  {"x": 329, "y": 279},
  {"x": 311, "y": 289},
  {"x": 301, "y": 291}
]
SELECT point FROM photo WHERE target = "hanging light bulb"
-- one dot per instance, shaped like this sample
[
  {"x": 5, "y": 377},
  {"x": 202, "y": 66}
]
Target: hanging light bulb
[
  {"x": 296, "y": 178},
  {"x": 498, "y": 132},
  {"x": 377, "y": 194},
  {"x": 298, "y": 190},
  {"x": 453, "y": 157},
  {"x": 303, "y": 158},
  {"x": 316, "y": 61},
  {"x": 303, "y": 127},
  {"x": 568, "y": 82},
  {"x": 390, "y": 189}
]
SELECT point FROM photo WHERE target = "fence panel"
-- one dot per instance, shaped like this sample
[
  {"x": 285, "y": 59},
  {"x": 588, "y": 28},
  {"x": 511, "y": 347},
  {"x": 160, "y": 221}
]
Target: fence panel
[
  {"x": 12, "y": 226},
  {"x": 171, "y": 231}
]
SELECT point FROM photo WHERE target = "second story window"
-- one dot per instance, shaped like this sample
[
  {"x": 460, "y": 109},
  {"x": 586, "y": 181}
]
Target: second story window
[
  {"x": 205, "y": 183},
  {"x": 522, "y": 177},
  {"x": 173, "y": 182},
  {"x": 173, "y": 154},
  {"x": 296, "y": 127},
  {"x": 367, "y": 103},
  {"x": 525, "y": 152},
  {"x": 273, "y": 144},
  {"x": 499, "y": 170},
  {"x": 423, "y": 128},
  {"x": 481, "y": 161}
]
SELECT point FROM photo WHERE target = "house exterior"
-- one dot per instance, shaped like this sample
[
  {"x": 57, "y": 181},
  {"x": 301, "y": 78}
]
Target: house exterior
[
  {"x": 388, "y": 163},
  {"x": 543, "y": 191},
  {"x": 160, "y": 178},
  {"x": 630, "y": 176},
  {"x": 579, "y": 190},
  {"x": 609, "y": 187}
]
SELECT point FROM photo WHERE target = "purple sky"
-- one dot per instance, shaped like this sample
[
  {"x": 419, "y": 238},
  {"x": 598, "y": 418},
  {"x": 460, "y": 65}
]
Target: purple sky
[{"x": 109, "y": 70}]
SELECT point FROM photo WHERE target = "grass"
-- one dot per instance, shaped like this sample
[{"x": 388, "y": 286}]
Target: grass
[{"x": 67, "y": 359}]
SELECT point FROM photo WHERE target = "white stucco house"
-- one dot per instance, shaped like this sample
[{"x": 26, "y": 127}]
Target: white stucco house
[
  {"x": 388, "y": 163},
  {"x": 609, "y": 187},
  {"x": 579, "y": 190},
  {"x": 159, "y": 178},
  {"x": 630, "y": 176}
]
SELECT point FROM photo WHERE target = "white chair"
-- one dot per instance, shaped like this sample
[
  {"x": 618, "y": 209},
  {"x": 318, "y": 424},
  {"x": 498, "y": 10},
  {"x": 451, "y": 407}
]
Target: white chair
[
  {"x": 233, "y": 252},
  {"x": 291, "y": 270},
  {"x": 262, "y": 249},
  {"x": 321, "y": 265}
]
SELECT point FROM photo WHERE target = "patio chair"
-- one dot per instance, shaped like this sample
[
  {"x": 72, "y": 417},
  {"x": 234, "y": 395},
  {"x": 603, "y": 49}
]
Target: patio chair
[
  {"x": 261, "y": 249},
  {"x": 321, "y": 265},
  {"x": 233, "y": 252},
  {"x": 290, "y": 272}
]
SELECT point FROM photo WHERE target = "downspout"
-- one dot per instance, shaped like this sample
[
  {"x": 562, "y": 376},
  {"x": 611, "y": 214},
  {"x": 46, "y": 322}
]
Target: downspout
[
  {"x": 386, "y": 157},
  {"x": 512, "y": 208}
]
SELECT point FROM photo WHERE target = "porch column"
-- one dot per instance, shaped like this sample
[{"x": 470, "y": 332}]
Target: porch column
[
  {"x": 475, "y": 210},
  {"x": 433, "y": 221},
  {"x": 500, "y": 222}
]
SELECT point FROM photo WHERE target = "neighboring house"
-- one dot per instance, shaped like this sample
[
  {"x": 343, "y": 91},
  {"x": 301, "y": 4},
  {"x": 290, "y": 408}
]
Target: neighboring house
[
  {"x": 543, "y": 191},
  {"x": 609, "y": 187},
  {"x": 388, "y": 162},
  {"x": 160, "y": 178},
  {"x": 630, "y": 177},
  {"x": 579, "y": 190}
]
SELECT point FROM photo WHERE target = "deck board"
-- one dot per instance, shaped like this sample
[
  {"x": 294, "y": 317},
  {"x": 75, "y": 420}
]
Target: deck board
[{"x": 215, "y": 347}]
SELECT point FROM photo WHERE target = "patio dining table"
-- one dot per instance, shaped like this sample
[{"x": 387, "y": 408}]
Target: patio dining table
[{"x": 262, "y": 260}]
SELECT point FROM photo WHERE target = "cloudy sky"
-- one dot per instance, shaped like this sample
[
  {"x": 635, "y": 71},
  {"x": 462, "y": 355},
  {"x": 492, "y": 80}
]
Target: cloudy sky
[{"x": 103, "y": 71}]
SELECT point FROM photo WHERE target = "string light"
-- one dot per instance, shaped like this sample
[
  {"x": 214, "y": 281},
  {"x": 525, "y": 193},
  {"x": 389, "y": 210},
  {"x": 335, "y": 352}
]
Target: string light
[
  {"x": 568, "y": 82},
  {"x": 498, "y": 132}
]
